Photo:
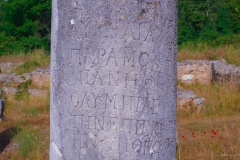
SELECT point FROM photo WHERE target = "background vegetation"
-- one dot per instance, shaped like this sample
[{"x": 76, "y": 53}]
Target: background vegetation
[
  {"x": 25, "y": 24},
  {"x": 206, "y": 20}
]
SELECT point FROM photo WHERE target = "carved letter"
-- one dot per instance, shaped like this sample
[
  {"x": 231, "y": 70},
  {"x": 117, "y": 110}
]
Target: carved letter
[{"x": 112, "y": 55}]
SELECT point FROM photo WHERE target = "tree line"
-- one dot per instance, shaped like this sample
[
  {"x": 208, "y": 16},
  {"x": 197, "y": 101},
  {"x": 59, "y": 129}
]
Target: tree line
[
  {"x": 25, "y": 24},
  {"x": 206, "y": 20}
]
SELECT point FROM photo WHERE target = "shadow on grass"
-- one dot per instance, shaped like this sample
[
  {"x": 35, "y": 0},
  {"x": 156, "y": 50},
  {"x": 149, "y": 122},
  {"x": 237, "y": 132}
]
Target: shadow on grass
[{"x": 6, "y": 136}]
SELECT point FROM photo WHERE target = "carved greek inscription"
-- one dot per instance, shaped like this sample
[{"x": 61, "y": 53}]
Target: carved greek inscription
[
  {"x": 137, "y": 145},
  {"x": 115, "y": 102},
  {"x": 85, "y": 141},
  {"x": 93, "y": 57},
  {"x": 131, "y": 82},
  {"x": 131, "y": 58},
  {"x": 113, "y": 79},
  {"x": 75, "y": 99},
  {"x": 132, "y": 32},
  {"x": 144, "y": 59},
  {"x": 75, "y": 57},
  {"x": 97, "y": 79},
  {"x": 112, "y": 58}
]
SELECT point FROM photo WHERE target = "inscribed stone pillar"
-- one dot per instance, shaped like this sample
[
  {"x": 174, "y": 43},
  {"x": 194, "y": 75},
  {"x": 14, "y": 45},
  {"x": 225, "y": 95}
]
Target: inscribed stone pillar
[{"x": 113, "y": 80}]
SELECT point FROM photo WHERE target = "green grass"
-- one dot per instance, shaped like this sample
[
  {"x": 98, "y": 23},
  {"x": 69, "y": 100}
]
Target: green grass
[
  {"x": 36, "y": 59},
  {"x": 220, "y": 99},
  {"x": 27, "y": 140}
]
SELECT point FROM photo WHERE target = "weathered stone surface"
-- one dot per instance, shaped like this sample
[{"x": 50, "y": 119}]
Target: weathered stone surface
[
  {"x": 16, "y": 80},
  {"x": 113, "y": 80},
  {"x": 190, "y": 71},
  {"x": 36, "y": 93},
  {"x": 27, "y": 76},
  {"x": 223, "y": 72},
  {"x": 10, "y": 91},
  {"x": 187, "y": 99},
  {"x": 6, "y": 78}
]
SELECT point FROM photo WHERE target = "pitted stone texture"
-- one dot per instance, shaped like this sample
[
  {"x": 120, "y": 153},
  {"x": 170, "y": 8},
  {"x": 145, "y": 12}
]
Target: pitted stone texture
[
  {"x": 190, "y": 71},
  {"x": 113, "y": 80},
  {"x": 223, "y": 72},
  {"x": 187, "y": 99}
]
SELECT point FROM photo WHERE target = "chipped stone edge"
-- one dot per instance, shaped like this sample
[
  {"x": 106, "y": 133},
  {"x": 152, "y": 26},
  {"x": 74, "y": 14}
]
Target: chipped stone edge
[{"x": 55, "y": 153}]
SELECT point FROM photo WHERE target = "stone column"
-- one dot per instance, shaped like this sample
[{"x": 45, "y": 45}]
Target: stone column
[{"x": 113, "y": 80}]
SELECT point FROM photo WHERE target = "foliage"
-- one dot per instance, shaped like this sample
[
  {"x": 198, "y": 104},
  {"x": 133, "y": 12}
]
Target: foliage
[
  {"x": 28, "y": 141},
  {"x": 26, "y": 67},
  {"x": 24, "y": 25},
  {"x": 207, "y": 20}
]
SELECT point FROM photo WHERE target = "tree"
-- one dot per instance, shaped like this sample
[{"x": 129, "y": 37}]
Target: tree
[{"x": 28, "y": 21}]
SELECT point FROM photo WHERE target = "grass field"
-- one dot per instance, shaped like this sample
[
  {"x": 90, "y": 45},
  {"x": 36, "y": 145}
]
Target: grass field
[{"x": 212, "y": 134}]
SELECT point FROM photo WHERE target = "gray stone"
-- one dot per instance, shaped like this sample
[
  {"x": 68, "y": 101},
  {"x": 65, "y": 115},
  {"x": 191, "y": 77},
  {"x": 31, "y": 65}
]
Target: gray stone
[
  {"x": 223, "y": 72},
  {"x": 10, "y": 91},
  {"x": 18, "y": 79},
  {"x": 2, "y": 102},
  {"x": 185, "y": 94},
  {"x": 27, "y": 76},
  {"x": 34, "y": 72},
  {"x": 40, "y": 70},
  {"x": 5, "y": 78},
  {"x": 113, "y": 80},
  {"x": 187, "y": 99},
  {"x": 199, "y": 101}
]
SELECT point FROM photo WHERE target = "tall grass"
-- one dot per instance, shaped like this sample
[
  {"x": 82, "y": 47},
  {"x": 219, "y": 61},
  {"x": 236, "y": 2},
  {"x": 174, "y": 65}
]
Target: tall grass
[
  {"x": 31, "y": 116},
  {"x": 220, "y": 99},
  {"x": 38, "y": 55},
  {"x": 38, "y": 58},
  {"x": 207, "y": 51},
  {"x": 215, "y": 132}
]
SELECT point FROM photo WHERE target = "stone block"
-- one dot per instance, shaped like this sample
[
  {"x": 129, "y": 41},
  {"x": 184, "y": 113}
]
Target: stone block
[
  {"x": 190, "y": 71},
  {"x": 10, "y": 91}
]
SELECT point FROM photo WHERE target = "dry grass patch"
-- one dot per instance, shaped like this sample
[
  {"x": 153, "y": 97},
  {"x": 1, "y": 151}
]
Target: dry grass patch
[
  {"x": 202, "y": 51},
  {"x": 30, "y": 118},
  {"x": 221, "y": 99},
  {"x": 209, "y": 139},
  {"x": 38, "y": 55},
  {"x": 215, "y": 132}
]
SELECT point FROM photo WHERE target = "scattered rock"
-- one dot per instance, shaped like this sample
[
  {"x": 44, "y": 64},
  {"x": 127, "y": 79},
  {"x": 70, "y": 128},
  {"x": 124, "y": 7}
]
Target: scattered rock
[
  {"x": 187, "y": 99},
  {"x": 27, "y": 76},
  {"x": 10, "y": 91},
  {"x": 16, "y": 80},
  {"x": 190, "y": 71},
  {"x": 223, "y": 72}
]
